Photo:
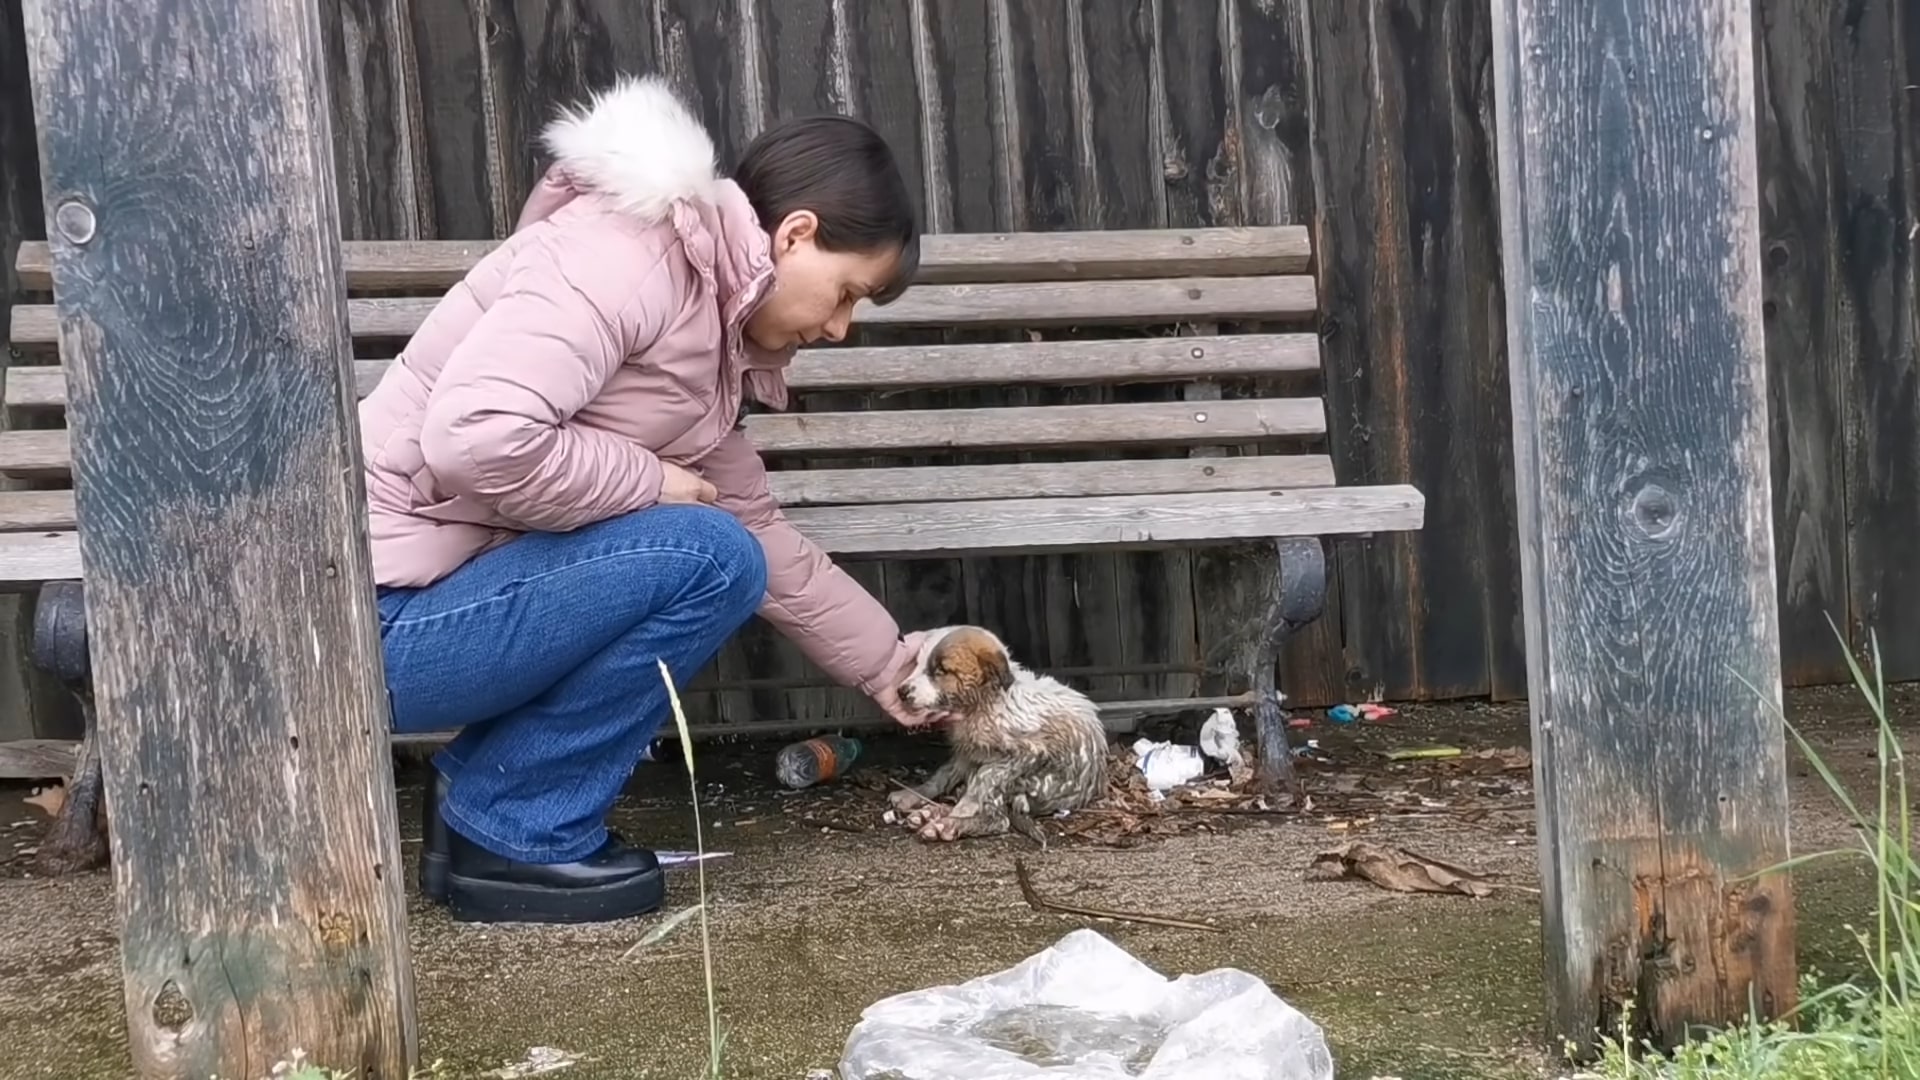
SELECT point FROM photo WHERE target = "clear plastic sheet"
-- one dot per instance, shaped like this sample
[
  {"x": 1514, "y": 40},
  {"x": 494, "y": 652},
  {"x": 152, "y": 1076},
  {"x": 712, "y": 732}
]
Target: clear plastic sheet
[{"x": 1086, "y": 1009}]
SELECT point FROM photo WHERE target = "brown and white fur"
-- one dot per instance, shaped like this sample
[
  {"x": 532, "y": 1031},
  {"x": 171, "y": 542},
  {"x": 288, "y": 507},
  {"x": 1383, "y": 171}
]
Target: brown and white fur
[{"x": 1024, "y": 745}]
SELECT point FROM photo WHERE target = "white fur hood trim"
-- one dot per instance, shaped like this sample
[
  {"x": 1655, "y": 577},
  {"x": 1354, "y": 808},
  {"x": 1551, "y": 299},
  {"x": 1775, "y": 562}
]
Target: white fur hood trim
[{"x": 638, "y": 144}]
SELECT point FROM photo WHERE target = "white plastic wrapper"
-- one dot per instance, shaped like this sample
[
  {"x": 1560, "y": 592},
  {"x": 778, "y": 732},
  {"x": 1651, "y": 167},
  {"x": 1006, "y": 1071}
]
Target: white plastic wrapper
[
  {"x": 1086, "y": 1009},
  {"x": 1167, "y": 765}
]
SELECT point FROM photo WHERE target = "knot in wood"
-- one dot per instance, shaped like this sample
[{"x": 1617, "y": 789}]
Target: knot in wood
[
  {"x": 1655, "y": 511},
  {"x": 75, "y": 221}
]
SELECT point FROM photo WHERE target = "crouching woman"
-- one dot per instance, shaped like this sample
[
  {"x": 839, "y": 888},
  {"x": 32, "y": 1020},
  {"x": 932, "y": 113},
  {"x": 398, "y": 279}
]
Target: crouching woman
[{"x": 561, "y": 494}]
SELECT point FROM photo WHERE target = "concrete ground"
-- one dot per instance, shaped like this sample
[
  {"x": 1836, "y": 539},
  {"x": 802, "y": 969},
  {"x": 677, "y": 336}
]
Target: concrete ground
[{"x": 822, "y": 910}]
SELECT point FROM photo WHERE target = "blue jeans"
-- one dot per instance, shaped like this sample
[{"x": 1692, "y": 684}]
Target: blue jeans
[{"x": 542, "y": 652}]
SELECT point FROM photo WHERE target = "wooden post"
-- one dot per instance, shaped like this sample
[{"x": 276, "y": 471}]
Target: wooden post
[
  {"x": 1631, "y": 235},
  {"x": 192, "y": 210}
]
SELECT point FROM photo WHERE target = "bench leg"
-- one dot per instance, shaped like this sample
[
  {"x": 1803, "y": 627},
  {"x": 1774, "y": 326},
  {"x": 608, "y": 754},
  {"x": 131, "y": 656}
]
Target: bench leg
[
  {"x": 77, "y": 839},
  {"x": 1271, "y": 589}
]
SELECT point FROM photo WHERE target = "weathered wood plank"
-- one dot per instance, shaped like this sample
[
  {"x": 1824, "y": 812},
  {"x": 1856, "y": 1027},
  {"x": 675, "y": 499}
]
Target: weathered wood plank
[
  {"x": 1878, "y": 185},
  {"x": 1004, "y": 526},
  {"x": 1811, "y": 307},
  {"x": 546, "y": 55},
  {"x": 48, "y": 453},
  {"x": 1037, "y": 304},
  {"x": 464, "y": 177},
  {"x": 1139, "y": 521},
  {"x": 1025, "y": 427},
  {"x": 1631, "y": 234},
  {"x": 952, "y": 259},
  {"x": 260, "y": 901},
  {"x": 37, "y": 759},
  {"x": 379, "y": 146},
  {"x": 31, "y": 701},
  {"x": 1374, "y": 79},
  {"x": 1027, "y": 480},
  {"x": 913, "y": 367}
]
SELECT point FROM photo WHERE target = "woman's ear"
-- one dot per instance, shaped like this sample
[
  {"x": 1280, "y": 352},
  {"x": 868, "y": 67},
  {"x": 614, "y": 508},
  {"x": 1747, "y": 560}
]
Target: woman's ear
[{"x": 797, "y": 228}]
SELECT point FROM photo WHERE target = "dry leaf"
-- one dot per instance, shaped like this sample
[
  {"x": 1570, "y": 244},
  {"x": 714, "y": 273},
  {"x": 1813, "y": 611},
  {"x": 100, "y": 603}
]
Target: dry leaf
[
  {"x": 1396, "y": 869},
  {"x": 50, "y": 799}
]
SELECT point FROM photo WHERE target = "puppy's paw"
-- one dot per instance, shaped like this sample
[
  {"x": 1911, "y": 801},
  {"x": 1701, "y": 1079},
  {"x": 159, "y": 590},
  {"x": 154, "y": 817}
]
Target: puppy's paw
[
  {"x": 928, "y": 815},
  {"x": 946, "y": 827}
]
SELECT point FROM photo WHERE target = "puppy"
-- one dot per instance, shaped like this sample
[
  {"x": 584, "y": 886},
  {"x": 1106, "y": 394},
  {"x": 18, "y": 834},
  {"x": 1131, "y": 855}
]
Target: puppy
[{"x": 1023, "y": 745}]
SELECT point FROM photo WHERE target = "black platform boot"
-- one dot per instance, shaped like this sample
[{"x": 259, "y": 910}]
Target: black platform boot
[
  {"x": 433, "y": 839},
  {"x": 615, "y": 882}
]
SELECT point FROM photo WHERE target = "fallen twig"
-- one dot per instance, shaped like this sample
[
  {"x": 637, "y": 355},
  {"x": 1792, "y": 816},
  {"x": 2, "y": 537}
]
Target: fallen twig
[{"x": 1042, "y": 904}]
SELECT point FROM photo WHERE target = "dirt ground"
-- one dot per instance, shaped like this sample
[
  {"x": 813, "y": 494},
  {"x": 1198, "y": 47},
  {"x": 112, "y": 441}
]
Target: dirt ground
[{"x": 821, "y": 909}]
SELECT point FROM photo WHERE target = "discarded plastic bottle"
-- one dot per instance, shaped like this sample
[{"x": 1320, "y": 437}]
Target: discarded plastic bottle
[{"x": 816, "y": 761}]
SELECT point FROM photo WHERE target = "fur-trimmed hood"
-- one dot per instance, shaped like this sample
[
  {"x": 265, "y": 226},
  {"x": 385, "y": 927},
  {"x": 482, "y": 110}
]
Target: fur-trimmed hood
[
  {"x": 638, "y": 148},
  {"x": 637, "y": 144}
]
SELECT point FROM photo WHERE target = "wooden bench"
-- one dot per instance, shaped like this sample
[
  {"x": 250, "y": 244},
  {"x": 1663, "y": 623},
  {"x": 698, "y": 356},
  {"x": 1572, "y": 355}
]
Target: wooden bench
[{"x": 1206, "y": 338}]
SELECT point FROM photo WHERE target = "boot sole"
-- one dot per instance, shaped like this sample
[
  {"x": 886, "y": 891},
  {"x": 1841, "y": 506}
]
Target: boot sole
[{"x": 481, "y": 900}]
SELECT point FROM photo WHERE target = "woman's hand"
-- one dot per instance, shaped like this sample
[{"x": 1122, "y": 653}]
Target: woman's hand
[
  {"x": 889, "y": 696},
  {"x": 678, "y": 485}
]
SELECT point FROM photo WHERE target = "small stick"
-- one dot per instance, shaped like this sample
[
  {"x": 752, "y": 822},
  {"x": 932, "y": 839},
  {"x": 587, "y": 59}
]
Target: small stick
[
  {"x": 1042, "y": 904},
  {"x": 904, "y": 786}
]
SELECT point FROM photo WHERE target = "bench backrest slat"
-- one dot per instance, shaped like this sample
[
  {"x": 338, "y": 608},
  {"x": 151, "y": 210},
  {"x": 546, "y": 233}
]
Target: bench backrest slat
[
  {"x": 1137, "y": 424},
  {"x": 917, "y": 367},
  {"x": 1036, "y": 304},
  {"x": 946, "y": 258},
  {"x": 27, "y": 511}
]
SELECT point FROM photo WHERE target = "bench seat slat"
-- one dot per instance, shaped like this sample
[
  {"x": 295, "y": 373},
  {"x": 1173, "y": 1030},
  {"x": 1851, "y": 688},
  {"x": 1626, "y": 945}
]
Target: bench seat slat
[
  {"x": 48, "y": 453},
  {"x": 1003, "y": 526},
  {"x": 946, "y": 258},
  {"x": 926, "y": 367},
  {"x": 1040, "y": 304},
  {"x": 36, "y": 511},
  {"x": 1155, "y": 423}
]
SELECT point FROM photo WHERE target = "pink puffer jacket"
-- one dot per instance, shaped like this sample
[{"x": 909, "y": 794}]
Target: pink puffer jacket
[{"x": 604, "y": 337}]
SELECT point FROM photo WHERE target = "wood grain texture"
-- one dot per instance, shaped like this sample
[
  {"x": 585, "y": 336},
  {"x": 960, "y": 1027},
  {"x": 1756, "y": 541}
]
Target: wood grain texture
[
  {"x": 1879, "y": 302},
  {"x": 1034, "y": 426},
  {"x": 1034, "y": 305},
  {"x": 1812, "y": 356},
  {"x": 448, "y": 55},
  {"x": 1141, "y": 521},
  {"x": 914, "y": 367},
  {"x": 1631, "y": 236},
  {"x": 379, "y": 145},
  {"x": 999, "y": 526},
  {"x": 37, "y": 759},
  {"x": 261, "y": 905},
  {"x": 1413, "y": 323},
  {"x": 32, "y": 702}
]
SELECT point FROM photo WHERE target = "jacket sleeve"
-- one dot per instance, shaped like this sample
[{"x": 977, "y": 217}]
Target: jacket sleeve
[
  {"x": 835, "y": 621},
  {"x": 499, "y": 423}
]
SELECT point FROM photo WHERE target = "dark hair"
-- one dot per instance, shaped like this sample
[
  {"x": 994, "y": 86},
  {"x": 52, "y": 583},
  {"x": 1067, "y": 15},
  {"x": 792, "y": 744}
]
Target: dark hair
[{"x": 843, "y": 171}]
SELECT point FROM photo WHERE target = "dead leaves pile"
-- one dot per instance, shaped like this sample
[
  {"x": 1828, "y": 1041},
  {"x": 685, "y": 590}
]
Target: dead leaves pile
[{"x": 1345, "y": 795}]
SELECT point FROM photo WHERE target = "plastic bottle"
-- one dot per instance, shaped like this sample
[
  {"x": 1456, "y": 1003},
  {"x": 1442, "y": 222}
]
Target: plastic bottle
[{"x": 815, "y": 761}]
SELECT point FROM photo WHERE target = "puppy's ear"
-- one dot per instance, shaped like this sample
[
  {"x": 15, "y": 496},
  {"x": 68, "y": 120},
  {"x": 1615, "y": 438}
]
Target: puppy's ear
[{"x": 994, "y": 659}]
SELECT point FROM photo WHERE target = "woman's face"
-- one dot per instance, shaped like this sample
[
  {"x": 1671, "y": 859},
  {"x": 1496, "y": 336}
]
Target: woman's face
[{"x": 814, "y": 291}]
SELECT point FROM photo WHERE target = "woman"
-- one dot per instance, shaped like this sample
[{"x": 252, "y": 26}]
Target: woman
[{"x": 561, "y": 494}]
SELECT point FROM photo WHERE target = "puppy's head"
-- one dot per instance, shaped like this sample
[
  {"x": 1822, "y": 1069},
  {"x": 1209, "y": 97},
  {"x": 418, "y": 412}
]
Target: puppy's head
[{"x": 960, "y": 670}]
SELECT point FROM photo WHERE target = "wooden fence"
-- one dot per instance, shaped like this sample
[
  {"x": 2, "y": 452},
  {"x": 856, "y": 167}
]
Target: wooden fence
[{"x": 1368, "y": 120}]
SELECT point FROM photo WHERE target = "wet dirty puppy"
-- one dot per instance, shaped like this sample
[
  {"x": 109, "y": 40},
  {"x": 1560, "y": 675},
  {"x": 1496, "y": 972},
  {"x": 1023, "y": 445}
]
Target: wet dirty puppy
[{"x": 1023, "y": 745}]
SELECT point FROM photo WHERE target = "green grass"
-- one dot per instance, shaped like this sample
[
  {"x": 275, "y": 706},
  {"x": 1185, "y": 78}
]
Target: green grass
[
  {"x": 1866, "y": 1028},
  {"x": 298, "y": 1068}
]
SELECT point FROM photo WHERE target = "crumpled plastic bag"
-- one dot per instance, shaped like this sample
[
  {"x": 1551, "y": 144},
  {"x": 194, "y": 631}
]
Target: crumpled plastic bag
[{"x": 1086, "y": 1009}]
